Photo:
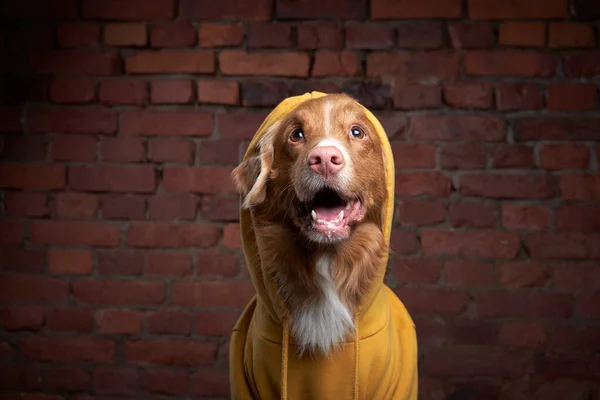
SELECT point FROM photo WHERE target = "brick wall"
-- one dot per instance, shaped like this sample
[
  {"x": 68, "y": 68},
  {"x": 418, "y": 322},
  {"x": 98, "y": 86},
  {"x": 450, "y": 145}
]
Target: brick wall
[{"x": 121, "y": 271}]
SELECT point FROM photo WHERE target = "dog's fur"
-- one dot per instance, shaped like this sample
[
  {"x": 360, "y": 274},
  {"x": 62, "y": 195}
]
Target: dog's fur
[{"x": 321, "y": 278}]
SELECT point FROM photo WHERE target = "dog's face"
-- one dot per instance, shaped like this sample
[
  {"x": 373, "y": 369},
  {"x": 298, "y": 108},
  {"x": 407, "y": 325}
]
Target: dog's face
[{"x": 319, "y": 169}]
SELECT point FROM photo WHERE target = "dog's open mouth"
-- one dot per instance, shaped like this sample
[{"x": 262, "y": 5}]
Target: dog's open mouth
[{"x": 331, "y": 215}]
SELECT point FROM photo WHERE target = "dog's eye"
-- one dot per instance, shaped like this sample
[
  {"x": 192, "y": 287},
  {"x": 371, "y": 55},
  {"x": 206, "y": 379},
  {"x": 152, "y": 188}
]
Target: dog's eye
[
  {"x": 297, "y": 135},
  {"x": 356, "y": 132}
]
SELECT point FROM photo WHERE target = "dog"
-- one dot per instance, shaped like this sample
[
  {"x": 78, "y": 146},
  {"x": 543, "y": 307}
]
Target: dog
[{"x": 317, "y": 193}]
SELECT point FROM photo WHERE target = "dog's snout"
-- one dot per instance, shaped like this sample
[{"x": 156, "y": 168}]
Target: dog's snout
[{"x": 326, "y": 160}]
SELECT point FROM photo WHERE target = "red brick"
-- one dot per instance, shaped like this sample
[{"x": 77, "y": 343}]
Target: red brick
[
  {"x": 212, "y": 293},
  {"x": 75, "y": 205},
  {"x": 315, "y": 9},
  {"x": 211, "y": 383},
  {"x": 585, "y": 64},
  {"x": 75, "y": 34},
  {"x": 522, "y": 34},
  {"x": 395, "y": 124},
  {"x": 131, "y": 10},
  {"x": 465, "y": 127},
  {"x": 169, "y": 264},
  {"x": 68, "y": 349},
  {"x": 220, "y": 34},
  {"x": 218, "y": 92},
  {"x": 41, "y": 9},
  {"x": 526, "y": 217},
  {"x": 17, "y": 259},
  {"x": 416, "y": 270},
  {"x": 205, "y": 180},
  {"x": 588, "y": 306},
  {"x": 578, "y": 217},
  {"x": 415, "y": 96},
  {"x": 409, "y": 67},
  {"x": 20, "y": 376},
  {"x": 20, "y": 148},
  {"x": 266, "y": 34},
  {"x": 518, "y": 96},
  {"x": 336, "y": 64},
  {"x": 119, "y": 321},
  {"x": 577, "y": 276},
  {"x": 403, "y": 242},
  {"x": 30, "y": 36},
  {"x": 413, "y": 155},
  {"x": 571, "y": 96},
  {"x": 526, "y": 9},
  {"x": 179, "y": 91},
  {"x": 216, "y": 323},
  {"x": 433, "y": 301},
  {"x": 389, "y": 9},
  {"x": 421, "y": 212},
  {"x": 471, "y": 35},
  {"x": 370, "y": 93},
  {"x": 127, "y": 34},
  {"x": 220, "y": 208},
  {"x": 510, "y": 63},
  {"x": 171, "y": 150},
  {"x": 75, "y": 233},
  {"x": 557, "y": 128},
  {"x": 164, "y": 234},
  {"x": 122, "y": 150},
  {"x": 76, "y": 62},
  {"x": 72, "y": 90},
  {"x": 511, "y": 156},
  {"x": 419, "y": 183},
  {"x": 21, "y": 318},
  {"x": 462, "y": 156},
  {"x": 173, "y": 206},
  {"x": 239, "y": 62},
  {"x": 566, "y": 338},
  {"x": 580, "y": 187},
  {"x": 430, "y": 331},
  {"x": 169, "y": 321},
  {"x": 70, "y": 320},
  {"x": 6, "y": 350},
  {"x": 171, "y": 352},
  {"x": 112, "y": 178},
  {"x": 320, "y": 36},
  {"x": 570, "y": 35},
  {"x": 232, "y": 237},
  {"x": 166, "y": 122},
  {"x": 74, "y": 262},
  {"x": 239, "y": 125},
  {"x": 123, "y": 207},
  {"x": 117, "y": 292},
  {"x": 120, "y": 262},
  {"x": 564, "y": 156},
  {"x": 484, "y": 243},
  {"x": 115, "y": 380},
  {"x": 269, "y": 94},
  {"x": 214, "y": 264},
  {"x": 73, "y": 120},
  {"x": 30, "y": 204},
  {"x": 419, "y": 35},
  {"x": 66, "y": 379},
  {"x": 11, "y": 119},
  {"x": 369, "y": 36},
  {"x": 179, "y": 33},
  {"x": 469, "y": 273},
  {"x": 468, "y": 95},
  {"x": 464, "y": 213},
  {"x": 227, "y": 9},
  {"x": 73, "y": 148},
  {"x": 508, "y": 186},
  {"x": 500, "y": 304},
  {"x": 122, "y": 92},
  {"x": 483, "y": 361},
  {"x": 563, "y": 245},
  {"x": 520, "y": 274},
  {"x": 171, "y": 62},
  {"x": 165, "y": 381}
]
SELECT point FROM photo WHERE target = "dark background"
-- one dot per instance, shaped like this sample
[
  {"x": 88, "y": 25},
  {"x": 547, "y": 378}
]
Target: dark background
[{"x": 121, "y": 270}]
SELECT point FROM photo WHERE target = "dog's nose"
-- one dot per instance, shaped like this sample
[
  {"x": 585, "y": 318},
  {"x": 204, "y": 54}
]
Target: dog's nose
[{"x": 326, "y": 160}]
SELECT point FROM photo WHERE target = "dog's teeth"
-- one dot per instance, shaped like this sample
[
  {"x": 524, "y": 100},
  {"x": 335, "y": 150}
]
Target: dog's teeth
[
  {"x": 341, "y": 216},
  {"x": 347, "y": 205},
  {"x": 314, "y": 215}
]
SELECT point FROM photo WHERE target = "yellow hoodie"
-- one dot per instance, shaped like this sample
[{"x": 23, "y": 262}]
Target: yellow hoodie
[{"x": 379, "y": 362}]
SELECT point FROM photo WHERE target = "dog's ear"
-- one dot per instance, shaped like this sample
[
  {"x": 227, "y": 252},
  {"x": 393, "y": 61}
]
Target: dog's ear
[{"x": 251, "y": 176}]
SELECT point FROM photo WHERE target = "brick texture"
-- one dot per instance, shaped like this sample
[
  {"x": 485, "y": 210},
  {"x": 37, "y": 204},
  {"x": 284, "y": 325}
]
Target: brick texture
[{"x": 121, "y": 265}]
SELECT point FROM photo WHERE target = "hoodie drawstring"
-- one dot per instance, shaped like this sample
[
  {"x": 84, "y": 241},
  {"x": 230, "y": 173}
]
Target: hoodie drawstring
[
  {"x": 356, "y": 362},
  {"x": 284, "y": 359}
]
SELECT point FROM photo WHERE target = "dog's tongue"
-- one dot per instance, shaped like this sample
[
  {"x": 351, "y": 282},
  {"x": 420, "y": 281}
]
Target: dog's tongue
[{"x": 328, "y": 213}]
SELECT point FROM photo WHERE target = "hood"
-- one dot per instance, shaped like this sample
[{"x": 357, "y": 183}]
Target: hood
[{"x": 265, "y": 287}]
